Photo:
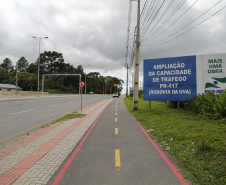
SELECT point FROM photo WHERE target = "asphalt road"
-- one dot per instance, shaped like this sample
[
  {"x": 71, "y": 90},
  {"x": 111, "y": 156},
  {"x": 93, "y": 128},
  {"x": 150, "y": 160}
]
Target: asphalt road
[
  {"x": 116, "y": 152},
  {"x": 18, "y": 116}
]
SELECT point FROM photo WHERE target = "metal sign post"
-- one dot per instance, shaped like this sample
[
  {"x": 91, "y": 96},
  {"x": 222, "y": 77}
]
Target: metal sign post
[
  {"x": 81, "y": 99},
  {"x": 81, "y": 84}
]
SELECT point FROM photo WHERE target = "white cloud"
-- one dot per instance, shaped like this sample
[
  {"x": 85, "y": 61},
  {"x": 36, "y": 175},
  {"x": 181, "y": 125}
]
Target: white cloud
[{"x": 95, "y": 32}]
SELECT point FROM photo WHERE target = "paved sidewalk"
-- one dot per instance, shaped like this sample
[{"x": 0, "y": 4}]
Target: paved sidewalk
[
  {"x": 34, "y": 158},
  {"x": 117, "y": 150}
]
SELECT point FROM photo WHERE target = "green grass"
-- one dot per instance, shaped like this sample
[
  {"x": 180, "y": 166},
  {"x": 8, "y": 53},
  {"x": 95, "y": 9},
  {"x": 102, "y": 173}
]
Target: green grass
[
  {"x": 69, "y": 116},
  {"x": 57, "y": 91},
  {"x": 198, "y": 144}
]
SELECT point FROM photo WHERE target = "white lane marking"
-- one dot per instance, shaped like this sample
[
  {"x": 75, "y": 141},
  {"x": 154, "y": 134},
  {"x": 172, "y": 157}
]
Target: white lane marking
[
  {"x": 54, "y": 105},
  {"x": 22, "y": 112}
]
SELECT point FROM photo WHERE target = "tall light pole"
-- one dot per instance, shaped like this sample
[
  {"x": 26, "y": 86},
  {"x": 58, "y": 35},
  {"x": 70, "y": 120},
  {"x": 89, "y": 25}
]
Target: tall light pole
[
  {"x": 40, "y": 38},
  {"x": 110, "y": 89},
  {"x": 16, "y": 79}
]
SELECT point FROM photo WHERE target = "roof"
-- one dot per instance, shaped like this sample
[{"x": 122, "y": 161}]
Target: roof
[{"x": 9, "y": 86}]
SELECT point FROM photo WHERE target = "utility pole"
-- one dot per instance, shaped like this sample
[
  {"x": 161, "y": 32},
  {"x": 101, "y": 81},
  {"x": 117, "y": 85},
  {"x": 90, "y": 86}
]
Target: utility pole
[
  {"x": 127, "y": 80},
  {"x": 136, "y": 79}
]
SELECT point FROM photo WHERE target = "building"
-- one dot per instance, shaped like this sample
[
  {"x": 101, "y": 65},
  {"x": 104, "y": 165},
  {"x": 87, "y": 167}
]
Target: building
[{"x": 9, "y": 87}]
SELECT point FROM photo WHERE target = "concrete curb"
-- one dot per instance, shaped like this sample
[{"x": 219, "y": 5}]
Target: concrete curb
[
  {"x": 46, "y": 97},
  {"x": 47, "y": 151},
  {"x": 34, "y": 98}
]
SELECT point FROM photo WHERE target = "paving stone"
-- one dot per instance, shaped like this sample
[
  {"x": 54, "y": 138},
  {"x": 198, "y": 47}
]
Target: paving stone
[{"x": 51, "y": 148}]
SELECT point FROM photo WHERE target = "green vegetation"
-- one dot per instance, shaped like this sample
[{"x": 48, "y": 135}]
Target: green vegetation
[
  {"x": 207, "y": 105},
  {"x": 52, "y": 62},
  {"x": 55, "y": 91},
  {"x": 70, "y": 116},
  {"x": 198, "y": 143}
]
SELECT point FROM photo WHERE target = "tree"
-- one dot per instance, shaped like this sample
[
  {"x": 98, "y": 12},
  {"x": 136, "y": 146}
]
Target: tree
[
  {"x": 80, "y": 70},
  {"x": 7, "y": 65},
  {"x": 27, "y": 81},
  {"x": 32, "y": 68},
  {"x": 51, "y": 61},
  {"x": 22, "y": 64},
  {"x": 70, "y": 68},
  {"x": 4, "y": 76}
]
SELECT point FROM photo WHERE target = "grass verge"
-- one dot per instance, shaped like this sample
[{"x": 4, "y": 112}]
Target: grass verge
[
  {"x": 69, "y": 116},
  {"x": 198, "y": 144}
]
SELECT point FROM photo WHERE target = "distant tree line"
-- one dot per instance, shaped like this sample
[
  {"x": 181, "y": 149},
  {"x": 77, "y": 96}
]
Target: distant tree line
[{"x": 52, "y": 62}]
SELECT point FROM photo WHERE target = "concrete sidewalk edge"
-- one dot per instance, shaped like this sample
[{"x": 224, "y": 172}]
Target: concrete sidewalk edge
[{"x": 42, "y": 163}]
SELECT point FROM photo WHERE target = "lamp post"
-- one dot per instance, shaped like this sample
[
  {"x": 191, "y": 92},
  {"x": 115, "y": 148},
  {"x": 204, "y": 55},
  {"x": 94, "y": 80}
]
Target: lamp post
[
  {"x": 16, "y": 79},
  {"x": 40, "y": 38},
  {"x": 110, "y": 89}
]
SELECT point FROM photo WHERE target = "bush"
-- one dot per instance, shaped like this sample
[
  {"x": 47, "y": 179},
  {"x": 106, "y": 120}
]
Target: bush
[
  {"x": 209, "y": 105},
  {"x": 174, "y": 104}
]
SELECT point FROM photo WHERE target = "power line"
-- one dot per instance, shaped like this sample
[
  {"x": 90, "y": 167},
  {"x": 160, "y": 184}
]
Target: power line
[
  {"x": 148, "y": 16},
  {"x": 189, "y": 23},
  {"x": 133, "y": 50},
  {"x": 171, "y": 15},
  {"x": 146, "y": 29},
  {"x": 171, "y": 23},
  {"x": 143, "y": 10},
  {"x": 189, "y": 29},
  {"x": 152, "y": 13},
  {"x": 128, "y": 30},
  {"x": 150, "y": 19},
  {"x": 173, "y": 12},
  {"x": 167, "y": 8}
]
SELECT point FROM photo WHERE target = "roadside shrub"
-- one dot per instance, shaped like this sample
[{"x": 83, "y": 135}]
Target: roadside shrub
[
  {"x": 220, "y": 106},
  {"x": 209, "y": 105},
  {"x": 140, "y": 94},
  {"x": 174, "y": 104}
]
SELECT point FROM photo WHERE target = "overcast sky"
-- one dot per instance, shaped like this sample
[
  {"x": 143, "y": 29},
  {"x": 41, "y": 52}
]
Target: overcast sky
[{"x": 94, "y": 32}]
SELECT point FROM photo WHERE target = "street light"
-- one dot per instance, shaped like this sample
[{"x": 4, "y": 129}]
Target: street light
[
  {"x": 16, "y": 78},
  {"x": 110, "y": 89},
  {"x": 40, "y": 38}
]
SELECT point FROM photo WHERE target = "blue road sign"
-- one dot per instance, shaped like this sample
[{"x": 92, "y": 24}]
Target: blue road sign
[{"x": 170, "y": 79}]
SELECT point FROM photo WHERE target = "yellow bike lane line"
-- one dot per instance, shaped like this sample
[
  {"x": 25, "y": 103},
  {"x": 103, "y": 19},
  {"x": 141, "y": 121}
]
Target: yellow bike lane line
[{"x": 117, "y": 151}]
